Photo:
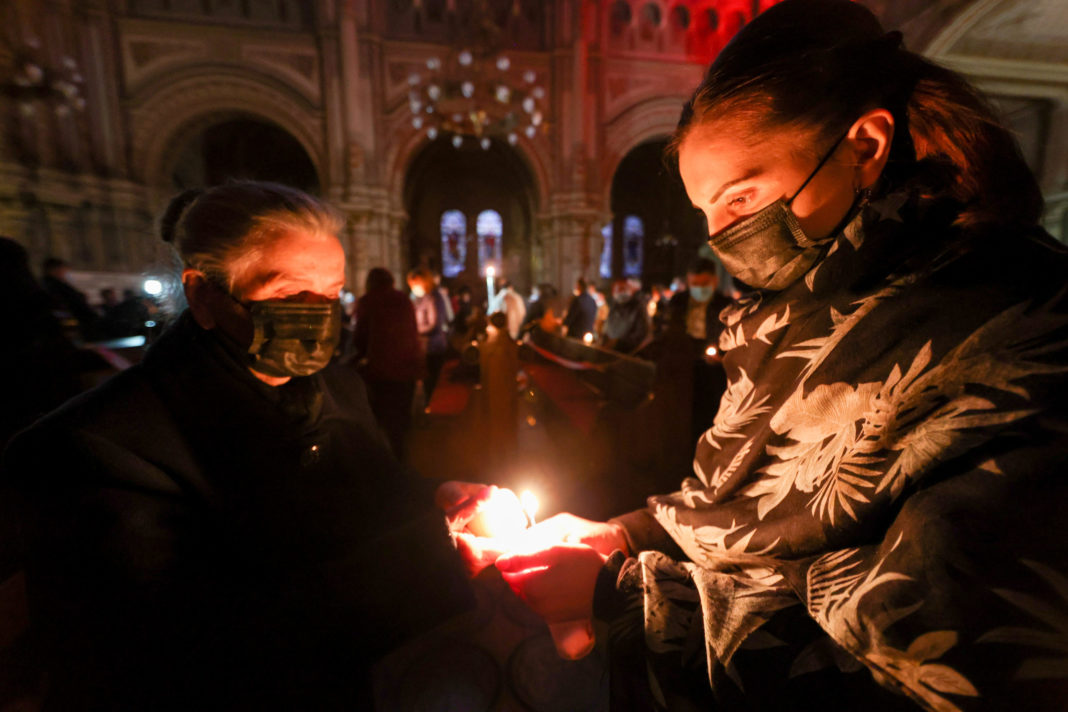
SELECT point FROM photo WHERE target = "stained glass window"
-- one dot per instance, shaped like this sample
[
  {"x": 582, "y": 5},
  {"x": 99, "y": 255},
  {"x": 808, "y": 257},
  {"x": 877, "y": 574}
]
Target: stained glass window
[
  {"x": 606, "y": 252},
  {"x": 489, "y": 228},
  {"x": 453, "y": 243},
  {"x": 633, "y": 237}
]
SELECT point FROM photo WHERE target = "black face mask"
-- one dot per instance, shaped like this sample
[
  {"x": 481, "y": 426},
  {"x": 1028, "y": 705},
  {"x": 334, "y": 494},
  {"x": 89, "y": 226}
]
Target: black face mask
[
  {"x": 293, "y": 338},
  {"x": 768, "y": 249}
]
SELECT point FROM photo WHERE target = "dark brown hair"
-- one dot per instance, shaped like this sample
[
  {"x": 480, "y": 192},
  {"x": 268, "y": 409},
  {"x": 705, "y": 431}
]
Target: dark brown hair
[{"x": 820, "y": 64}]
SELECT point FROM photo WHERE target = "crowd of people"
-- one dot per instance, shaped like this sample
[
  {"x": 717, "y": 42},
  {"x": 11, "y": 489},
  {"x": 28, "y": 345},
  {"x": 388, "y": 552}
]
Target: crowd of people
[{"x": 874, "y": 519}]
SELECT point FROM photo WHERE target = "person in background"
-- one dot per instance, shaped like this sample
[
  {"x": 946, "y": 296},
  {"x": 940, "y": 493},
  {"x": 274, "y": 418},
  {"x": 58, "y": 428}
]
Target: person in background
[
  {"x": 581, "y": 311},
  {"x": 542, "y": 306},
  {"x": 508, "y": 302},
  {"x": 446, "y": 299},
  {"x": 659, "y": 299},
  {"x": 222, "y": 526},
  {"x": 67, "y": 300},
  {"x": 430, "y": 321},
  {"x": 696, "y": 309},
  {"x": 627, "y": 326},
  {"x": 876, "y": 519},
  {"x": 387, "y": 354},
  {"x": 463, "y": 309},
  {"x": 603, "y": 306}
]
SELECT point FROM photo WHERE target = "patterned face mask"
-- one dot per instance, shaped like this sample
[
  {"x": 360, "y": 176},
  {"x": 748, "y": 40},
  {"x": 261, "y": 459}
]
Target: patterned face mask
[
  {"x": 768, "y": 249},
  {"x": 293, "y": 339}
]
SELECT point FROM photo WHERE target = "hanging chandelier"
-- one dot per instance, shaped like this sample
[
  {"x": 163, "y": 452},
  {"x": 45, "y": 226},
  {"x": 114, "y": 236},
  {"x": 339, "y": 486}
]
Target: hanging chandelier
[
  {"x": 32, "y": 80},
  {"x": 475, "y": 93},
  {"x": 476, "y": 96}
]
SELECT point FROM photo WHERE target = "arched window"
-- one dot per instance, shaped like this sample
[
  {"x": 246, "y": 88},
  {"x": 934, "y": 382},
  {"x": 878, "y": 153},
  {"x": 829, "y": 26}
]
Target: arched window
[
  {"x": 633, "y": 237},
  {"x": 489, "y": 228},
  {"x": 453, "y": 243},
  {"x": 606, "y": 252}
]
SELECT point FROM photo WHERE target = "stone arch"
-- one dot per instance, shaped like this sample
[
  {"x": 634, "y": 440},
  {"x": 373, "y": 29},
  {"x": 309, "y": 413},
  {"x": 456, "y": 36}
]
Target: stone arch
[
  {"x": 408, "y": 144},
  {"x": 643, "y": 122},
  {"x": 172, "y": 112}
]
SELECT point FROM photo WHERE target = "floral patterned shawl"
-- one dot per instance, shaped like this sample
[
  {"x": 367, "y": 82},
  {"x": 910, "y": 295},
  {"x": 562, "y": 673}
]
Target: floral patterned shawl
[{"x": 890, "y": 456}]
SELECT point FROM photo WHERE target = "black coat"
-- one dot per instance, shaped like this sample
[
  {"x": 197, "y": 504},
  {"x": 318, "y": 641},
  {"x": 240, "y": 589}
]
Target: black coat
[
  {"x": 196, "y": 539},
  {"x": 581, "y": 315}
]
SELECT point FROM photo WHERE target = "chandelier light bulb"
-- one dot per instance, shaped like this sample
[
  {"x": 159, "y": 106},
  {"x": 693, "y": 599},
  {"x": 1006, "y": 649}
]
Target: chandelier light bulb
[
  {"x": 503, "y": 93},
  {"x": 430, "y": 108},
  {"x": 79, "y": 104},
  {"x": 27, "y": 109},
  {"x": 529, "y": 76},
  {"x": 485, "y": 143},
  {"x": 433, "y": 64},
  {"x": 457, "y": 118},
  {"x": 69, "y": 63},
  {"x": 457, "y": 141},
  {"x": 530, "y": 131},
  {"x": 537, "y": 92},
  {"x": 34, "y": 74},
  {"x": 535, "y": 118},
  {"x": 528, "y": 105},
  {"x": 417, "y": 122},
  {"x": 468, "y": 89},
  {"x": 416, "y": 106},
  {"x": 465, "y": 58},
  {"x": 503, "y": 63},
  {"x": 432, "y": 133},
  {"x": 413, "y": 79},
  {"x": 434, "y": 92},
  {"x": 513, "y": 138},
  {"x": 62, "y": 110}
]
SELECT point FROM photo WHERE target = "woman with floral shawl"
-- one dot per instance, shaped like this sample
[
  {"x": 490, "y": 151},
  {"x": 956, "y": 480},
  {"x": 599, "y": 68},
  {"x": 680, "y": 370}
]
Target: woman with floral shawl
[{"x": 882, "y": 496}]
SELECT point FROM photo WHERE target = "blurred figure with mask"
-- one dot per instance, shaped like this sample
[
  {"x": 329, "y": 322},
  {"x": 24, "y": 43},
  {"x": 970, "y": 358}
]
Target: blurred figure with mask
[
  {"x": 223, "y": 526},
  {"x": 431, "y": 320},
  {"x": 627, "y": 326}
]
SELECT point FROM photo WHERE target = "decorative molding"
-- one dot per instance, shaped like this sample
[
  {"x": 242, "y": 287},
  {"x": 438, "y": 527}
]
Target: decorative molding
[
  {"x": 627, "y": 84},
  {"x": 299, "y": 65},
  {"x": 145, "y": 55}
]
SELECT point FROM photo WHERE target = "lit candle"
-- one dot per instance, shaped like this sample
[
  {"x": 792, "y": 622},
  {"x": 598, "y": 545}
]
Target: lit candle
[
  {"x": 588, "y": 338},
  {"x": 500, "y": 516},
  {"x": 711, "y": 351},
  {"x": 530, "y": 505},
  {"x": 490, "y": 273}
]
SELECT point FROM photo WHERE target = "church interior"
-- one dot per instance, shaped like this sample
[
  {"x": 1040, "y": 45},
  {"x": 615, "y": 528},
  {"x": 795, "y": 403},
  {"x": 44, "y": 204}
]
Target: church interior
[{"x": 497, "y": 145}]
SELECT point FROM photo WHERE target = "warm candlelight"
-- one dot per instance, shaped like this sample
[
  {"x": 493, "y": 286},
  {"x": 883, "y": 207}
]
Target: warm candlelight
[
  {"x": 529, "y": 503},
  {"x": 500, "y": 516},
  {"x": 490, "y": 274},
  {"x": 711, "y": 351},
  {"x": 588, "y": 338}
]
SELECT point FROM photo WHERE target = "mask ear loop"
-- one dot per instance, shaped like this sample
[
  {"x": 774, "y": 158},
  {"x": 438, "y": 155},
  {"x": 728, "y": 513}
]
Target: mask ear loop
[{"x": 823, "y": 161}]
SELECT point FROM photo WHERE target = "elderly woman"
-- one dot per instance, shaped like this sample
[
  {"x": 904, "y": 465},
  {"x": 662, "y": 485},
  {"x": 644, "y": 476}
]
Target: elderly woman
[
  {"x": 223, "y": 526},
  {"x": 881, "y": 498}
]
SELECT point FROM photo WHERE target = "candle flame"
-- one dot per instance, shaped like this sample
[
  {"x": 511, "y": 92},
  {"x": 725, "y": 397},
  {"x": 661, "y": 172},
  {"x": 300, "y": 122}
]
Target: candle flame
[
  {"x": 490, "y": 272},
  {"x": 530, "y": 504},
  {"x": 711, "y": 351},
  {"x": 588, "y": 337}
]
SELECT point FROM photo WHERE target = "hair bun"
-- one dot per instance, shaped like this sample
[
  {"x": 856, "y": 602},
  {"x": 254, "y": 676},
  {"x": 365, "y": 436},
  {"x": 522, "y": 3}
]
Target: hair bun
[{"x": 168, "y": 224}]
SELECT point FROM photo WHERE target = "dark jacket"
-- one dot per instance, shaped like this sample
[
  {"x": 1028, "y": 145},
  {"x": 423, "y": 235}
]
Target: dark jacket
[
  {"x": 680, "y": 304},
  {"x": 386, "y": 335},
  {"x": 581, "y": 314},
  {"x": 196, "y": 539}
]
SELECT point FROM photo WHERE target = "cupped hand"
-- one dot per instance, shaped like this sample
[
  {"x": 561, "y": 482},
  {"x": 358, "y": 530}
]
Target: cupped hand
[
  {"x": 557, "y": 583},
  {"x": 460, "y": 501},
  {"x": 477, "y": 552},
  {"x": 603, "y": 537}
]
